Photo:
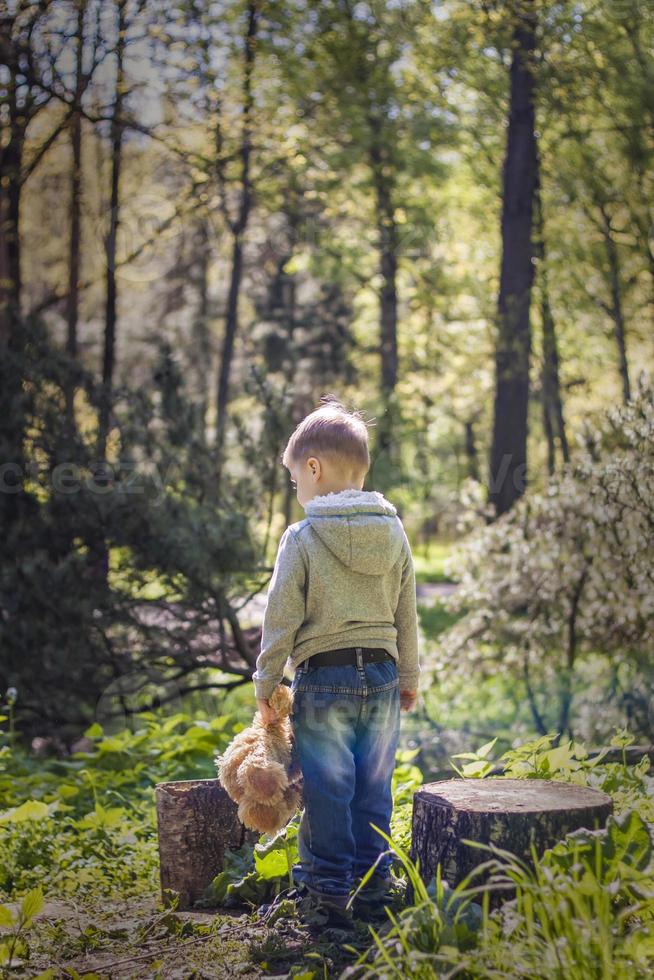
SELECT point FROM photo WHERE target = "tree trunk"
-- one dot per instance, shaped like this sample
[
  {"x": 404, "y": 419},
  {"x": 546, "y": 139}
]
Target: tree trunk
[
  {"x": 388, "y": 248},
  {"x": 238, "y": 230},
  {"x": 201, "y": 344},
  {"x": 472, "y": 458},
  {"x": 553, "y": 419},
  {"x": 508, "y": 813},
  {"x": 616, "y": 308},
  {"x": 109, "y": 353},
  {"x": 508, "y": 462},
  {"x": 12, "y": 420},
  {"x": 72, "y": 312},
  {"x": 196, "y": 823},
  {"x": 566, "y": 674},
  {"x": 98, "y": 555}
]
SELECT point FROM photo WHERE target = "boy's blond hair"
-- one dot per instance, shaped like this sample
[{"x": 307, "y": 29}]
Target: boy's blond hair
[{"x": 333, "y": 431}]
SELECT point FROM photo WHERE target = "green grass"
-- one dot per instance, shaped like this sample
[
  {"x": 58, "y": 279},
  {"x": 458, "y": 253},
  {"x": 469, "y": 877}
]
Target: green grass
[
  {"x": 429, "y": 562},
  {"x": 436, "y": 619}
]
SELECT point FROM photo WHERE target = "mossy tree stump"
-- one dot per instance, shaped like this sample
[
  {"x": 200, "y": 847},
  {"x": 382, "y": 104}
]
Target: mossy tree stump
[
  {"x": 509, "y": 813},
  {"x": 197, "y": 821}
]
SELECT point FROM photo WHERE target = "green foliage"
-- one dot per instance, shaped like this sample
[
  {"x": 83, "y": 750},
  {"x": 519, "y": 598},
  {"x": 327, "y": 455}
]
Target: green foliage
[
  {"x": 406, "y": 779},
  {"x": 586, "y": 908},
  {"x": 85, "y": 828},
  {"x": 479, "y": 765},
  {"x": 587, "y": 904},
  {"x": 14, "y": 946},
  {"x": 436, "y": 619},
  {"x": 86, "y": 825},
  {"x": 254, "y": 873},
  {"x": 111, "y": 577},
  {"x": 620, "y": 854},
  {"x": 566, "y": 574},
  {"x": 629, "y": 786},
  {"x": 430, "y": 563},
  {"x": 419, "y": 937}
]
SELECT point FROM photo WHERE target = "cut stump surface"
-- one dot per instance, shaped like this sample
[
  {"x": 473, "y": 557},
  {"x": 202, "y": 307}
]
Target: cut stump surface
[{"x": 509, "y": 813}]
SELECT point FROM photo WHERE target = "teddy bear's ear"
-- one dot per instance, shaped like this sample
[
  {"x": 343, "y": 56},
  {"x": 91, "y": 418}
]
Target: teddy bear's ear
[{"x": 281, "y": 700}]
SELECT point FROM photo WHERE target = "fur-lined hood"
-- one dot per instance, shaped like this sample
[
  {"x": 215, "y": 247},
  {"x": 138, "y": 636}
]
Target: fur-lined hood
[{"x": 360, "y": 527}]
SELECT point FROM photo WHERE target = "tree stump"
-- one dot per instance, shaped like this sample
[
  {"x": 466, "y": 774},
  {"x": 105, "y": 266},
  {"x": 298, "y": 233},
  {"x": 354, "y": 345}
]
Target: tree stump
[
  {"x": 196, "y": 822},
  {"x": 509, "y": 813}
]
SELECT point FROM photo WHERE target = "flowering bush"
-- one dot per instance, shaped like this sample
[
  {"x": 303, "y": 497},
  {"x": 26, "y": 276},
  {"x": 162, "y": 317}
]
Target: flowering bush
[{"x": 568, "y": 571}]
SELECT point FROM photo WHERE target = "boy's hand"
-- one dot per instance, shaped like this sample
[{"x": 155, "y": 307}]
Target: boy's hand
[
  {"x": 268, "y": 715},
  {"x": 407, "y": 700}
]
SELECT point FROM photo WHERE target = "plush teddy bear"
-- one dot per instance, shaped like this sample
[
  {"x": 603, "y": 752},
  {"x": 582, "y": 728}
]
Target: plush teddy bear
[{"x": 259, "y": 769}]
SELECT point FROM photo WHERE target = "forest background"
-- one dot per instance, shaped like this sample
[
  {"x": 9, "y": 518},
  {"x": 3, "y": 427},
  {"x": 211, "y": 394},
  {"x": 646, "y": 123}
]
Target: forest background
[{"x": 214, "y": 212}]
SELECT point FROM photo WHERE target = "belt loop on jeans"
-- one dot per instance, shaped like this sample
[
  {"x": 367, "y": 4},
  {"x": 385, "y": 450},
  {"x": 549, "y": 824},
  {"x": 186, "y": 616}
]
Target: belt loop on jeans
[{"x": 359, "y": 653}]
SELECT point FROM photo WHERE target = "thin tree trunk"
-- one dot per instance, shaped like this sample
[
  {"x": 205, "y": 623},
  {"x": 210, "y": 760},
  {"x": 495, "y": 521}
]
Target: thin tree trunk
[
  {"x": 238, "y": 230},
  {"x": 539, "y": 721},
  {"x": 12, "y": 420},
  {"x": 109, "y": 353},
  {"x": 201, "y": 345},
  {"x": 508, "y": 462},
  {"x": 553, "y": 417},
  {"x": 72, "y": 313},
  {"x": 616, "y": 308},
  {"x": 571, "y": 652},
  {"x": 388, "y": 246},
  {"x": 10, "y": 193},
  {"x": 98, "y": 554},
  {"x": 472, "y": 456},
  {"x": 388, "y": 263}
]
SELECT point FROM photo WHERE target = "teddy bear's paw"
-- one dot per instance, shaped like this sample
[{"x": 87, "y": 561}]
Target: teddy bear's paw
[
  {"x": 262, "y": 817},
  {"x": 264, "y": 782}
]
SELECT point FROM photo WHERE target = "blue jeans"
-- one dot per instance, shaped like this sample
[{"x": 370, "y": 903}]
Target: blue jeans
[{"x": 346, "y": 724}]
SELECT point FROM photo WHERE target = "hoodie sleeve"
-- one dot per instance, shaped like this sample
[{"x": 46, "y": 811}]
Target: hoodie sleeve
[
  {"x": 284, "y": 614},
  {"x": 406, "y": 623}
]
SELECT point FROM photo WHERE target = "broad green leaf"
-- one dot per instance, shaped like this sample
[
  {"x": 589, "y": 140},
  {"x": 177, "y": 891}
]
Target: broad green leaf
[
  {"x": 32, "y": 903},
  {"x": 67, "y": 790},
  {"x": 477, "y": 769},
  {"x": 30, "y": 810},
  {"x": 286, "y": 836},
  {"x": 6, "y": 916},
  {"x": 600, "y": 755},
  {"x": 558, "y": 758},
  {"x": 273, "y": 865},
  {"x": 103, "y": 817},
  {"x": 485, "y": 749}
]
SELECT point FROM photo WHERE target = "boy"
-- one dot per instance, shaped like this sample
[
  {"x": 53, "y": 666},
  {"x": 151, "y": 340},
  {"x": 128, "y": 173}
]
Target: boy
[{"x": 342, "y": 606}]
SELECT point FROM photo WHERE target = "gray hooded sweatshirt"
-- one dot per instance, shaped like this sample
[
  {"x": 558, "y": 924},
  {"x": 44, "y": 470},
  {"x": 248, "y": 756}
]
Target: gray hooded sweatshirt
[{"x": 343, "y": 577}]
